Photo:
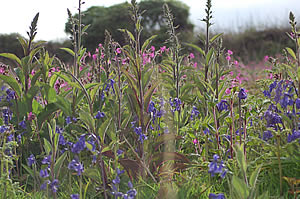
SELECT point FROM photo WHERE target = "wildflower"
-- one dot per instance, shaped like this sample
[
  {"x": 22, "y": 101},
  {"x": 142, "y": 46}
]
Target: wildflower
[
  {"x": 215, "y": 168},
  {"x": 44, "y": 173},
  {"x": 76, "y": 166},
  {"x": 229, "y": 52},
  {"x": 68, "y": 120},
  {"x": 142, "y": 137},
  {"x": 206, "y": 131},
  {"x": 44, "y": 185},
  {"x": 242, "y": 94},
  {"x": 195, "y": 141},
  {"x": 236, "y": 63},
  {"x": 47, "y": 160},
  {"x": 22, "y": 124},
  {"x": 266, "y": 58},
  {"x": 192, "y": 56},
  {"x": 31, "y": 160},
  {"x": 175, "y": 104},
  {"x": 119, "y": 152},
  {"x": 227, "y": 91},
  {"x": 100, "y": 115},
  {"x": 79, "y": 146},
  {"x": 109, "y": 85},
  {"x": 3, "y": 129},
  {"x": 61, "y": 140},
  {"x": 95, "y": 57},
  {"x": 10, "y": 95},
  {"x": 216, "y": 196},
  {"x": 295, "y": 135},
  {"x": 267, "y": 135},
  {"x": 163, "y": 49},
  {"x": 195, "y": 64},
  {"x": 54, "y": 185},
  {"x": 272, "y": 86},
  {"x": 297, "y": 102},
  {"x": 228, "y": 58},
  {"x": 118, "y": 50},
  {"x": 222, "y": 105},
  {"x": 31, "y": 116},
  {"x": 266, "y": 93},
  {"x": 194, "y": 112},
  {"x": 75, "y": 196}
]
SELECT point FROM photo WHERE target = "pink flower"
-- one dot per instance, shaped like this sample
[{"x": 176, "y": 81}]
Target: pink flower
[
  {"x": 195, "y": 141},
  {"x": 184, "y": 76},
  {"x": 228, "y": 57},
  {"x": 231, "y": 73},
  {"x": 270, "y": 76},
  {"x": 162, "y": 49},
  {"x": 228, "y": 91},
  {"x": 152, "y": 55},
  {"x": 89, "y": 54},
  {"x": 118, "y": 51},
  {"x": 222, "y": 77},
  {"x": 94, "y": 57},
  {"x": 100, "y": 45},
  {"x": 229, "y": 52},
  {"x": 31, "y": 116},
  {"x": 266, "y": 58},
  {"x": 2, "y": 70},
  {"x": 32, "y": 72},
  {"x": 152, "y": 48},
  {"x": 195, "y": 65},
  {"x": 236, "y": 63},
  {"x": 192, "y": 56},
  {"x": 80, "y": 68}
]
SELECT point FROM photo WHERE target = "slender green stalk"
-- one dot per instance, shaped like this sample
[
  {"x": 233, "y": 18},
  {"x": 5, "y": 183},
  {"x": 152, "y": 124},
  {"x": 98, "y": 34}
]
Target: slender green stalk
[{"x": 279, "y": 164}]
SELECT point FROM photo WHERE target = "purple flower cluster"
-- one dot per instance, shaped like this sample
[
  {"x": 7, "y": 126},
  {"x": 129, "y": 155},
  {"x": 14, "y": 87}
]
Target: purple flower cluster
[
  {"x": 242, "y": 94},
  {"x": 100, "y": 115},
  {"x": 109, "y": 85},
  {"x": 175, "y": 104},
  {"x": 215, "y": 168},
  {"x": 130, "y": 194},
  {"x": 7, "y": 114},
  {"x": 76, "y": 166},
  {"x": 294, "y": 136},
  {"x": 79, "y": 146},
  {"x": 216, "y": 196},
  {"x": 31, "y": 160},
  {"x": 222, "y": 105},
  {"x": 195, "y": 113},
  {"x": 154, "y": 113}
]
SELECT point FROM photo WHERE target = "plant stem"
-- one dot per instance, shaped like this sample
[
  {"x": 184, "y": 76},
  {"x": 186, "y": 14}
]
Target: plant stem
[{"x": 279, "y": 164}]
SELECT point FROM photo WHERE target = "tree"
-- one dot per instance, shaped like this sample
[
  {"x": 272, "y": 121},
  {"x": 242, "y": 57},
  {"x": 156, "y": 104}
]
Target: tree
[{"x": 118, "y": 17}]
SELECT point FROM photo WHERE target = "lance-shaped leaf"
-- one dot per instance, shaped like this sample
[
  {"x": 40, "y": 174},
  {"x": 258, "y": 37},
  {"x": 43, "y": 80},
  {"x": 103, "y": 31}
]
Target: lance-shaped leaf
[
  {"x": 12, "y": 83},
  {"x": 12, "y": 57}
]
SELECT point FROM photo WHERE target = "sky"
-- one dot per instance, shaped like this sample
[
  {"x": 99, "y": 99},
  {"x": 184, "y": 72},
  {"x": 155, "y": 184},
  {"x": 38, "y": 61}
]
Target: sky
[{"x": 229, "y": 15}]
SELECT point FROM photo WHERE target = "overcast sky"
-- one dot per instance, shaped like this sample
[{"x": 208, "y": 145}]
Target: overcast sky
[{"x": 16, "y": 15}]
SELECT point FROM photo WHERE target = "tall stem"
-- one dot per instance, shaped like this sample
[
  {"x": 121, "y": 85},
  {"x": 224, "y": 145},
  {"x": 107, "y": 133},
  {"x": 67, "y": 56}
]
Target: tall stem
[{"x": 279, "y": 163}]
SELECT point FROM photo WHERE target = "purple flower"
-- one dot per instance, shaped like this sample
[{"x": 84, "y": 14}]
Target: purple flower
[
  {"x": 297, "y": 102},
  {"x": 75, "y": 196},
  {"x": 175, "y": 104},
  {"x": 215, "y": 168},
  {"x": 99, "y": 115},
  {"x": 3, "y": 129},
  {"x": 68, "y": 120},
  {"x": 44, "y": 173},
  {"x": 31, "y": 160},
  {"x": 54, "y": 185},
  {"x": 216, "y": 196},
  {"x": 44, "y": 185},
  {"x": 194, "y": 112},
  {"x": 62, "y": 140},
  {"x": 119, "y": 152},
  {"x": 10, "y": 138},
  {"x": 267, "y": 135},
  {"x": 266, "y": 93},
  {"x": 110, "y": 85},
  {"x": 272, "y": 86},
  {"x": 47, "y": 160},
  {"x": 10, "y": 95},
  {"x": 79, "y": 146},
  {"x": 76, "y": 166},
  {"x": 22, "y": 124},
  {"x": 242, "y": 94},
  {"x": 222, "y": 105},
  {"x": 295, "y": 135}
]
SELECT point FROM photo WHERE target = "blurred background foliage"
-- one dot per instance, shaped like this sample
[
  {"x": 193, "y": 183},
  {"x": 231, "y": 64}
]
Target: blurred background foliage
[{"x": 249, "y": 45}]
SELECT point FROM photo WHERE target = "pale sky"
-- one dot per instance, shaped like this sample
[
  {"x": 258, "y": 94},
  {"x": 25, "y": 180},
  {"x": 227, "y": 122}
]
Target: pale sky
[{"x": 16, "y": 15}]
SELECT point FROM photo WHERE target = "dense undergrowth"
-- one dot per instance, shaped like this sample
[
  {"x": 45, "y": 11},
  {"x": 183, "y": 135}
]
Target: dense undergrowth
[{"x": 136, "y": 121}]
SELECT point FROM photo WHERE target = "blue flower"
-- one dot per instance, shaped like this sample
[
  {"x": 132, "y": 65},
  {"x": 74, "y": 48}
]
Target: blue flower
[
  {"x": 242, "y": 94},
  {"x": 31, "y": 160},
  {"x": 76, "y": 166},
  {"x": 79, "y": 146},
  {"x": 75, "y": 196},
  {"x": 297, "y": 102},
  {"x": 119, "y": 152},
  {"x": 222, "y": 105},
  {"x": 267, "y": 135},
  {"x": 47, "y": 160},
  {"x": 295, "y": 135},
  {"x": 266, "y": 93},
  {"x": 44, "y": 173},
  {"x": 3, "y": 129},
  {"x": 272, "y": 86},
  {"x": 10, "y": 95},
  {"x": 109, "y": 85},
  {"x": 54, "y": 185},
  {"x": 22, "y": 124},
  {"x": 175, "y": 104},
  {"x": 100, "y": 115},
  {"x": 68, "y": 120},
  {"x": 214, "y": 168},
  {"x": 194, "y": 112},
  {"x": 44, "y": 185},
  {"x": 216, "y": 196}
]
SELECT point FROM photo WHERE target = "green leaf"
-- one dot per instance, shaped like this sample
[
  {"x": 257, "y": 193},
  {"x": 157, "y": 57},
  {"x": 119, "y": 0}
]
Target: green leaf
[
  {"x": 149, "y": 94},
  {"x": 147, "y": 42},
  {"x": 29, "y": 170},
  {"x": 11, "y": 57},
  {"x": 59, "y": 163},
  {"x": 68, "y": 50},
  {"x": 12, "y": 83},
  {"x": 46, "y": 113},
  {"x": 253, "y": 180},
  {"x": 215, "y": 37},
  {"x": 240, "y": 187},
  {"x": 241, "y": 159},
  {"x": 291, "y": 52},
  {"x": 87, "y": 119},
  {"x": 128, "y": 33},
  {"x": 47, "y": 146},
  {"x": 85, "y": 28},
  {"x": 104, "y": 128},
  {"x": 196, "y": 48},
  {"x": 209, "y": 56}
]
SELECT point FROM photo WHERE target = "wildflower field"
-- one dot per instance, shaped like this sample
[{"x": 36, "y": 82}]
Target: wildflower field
[{"x": 138, "y": 121}]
